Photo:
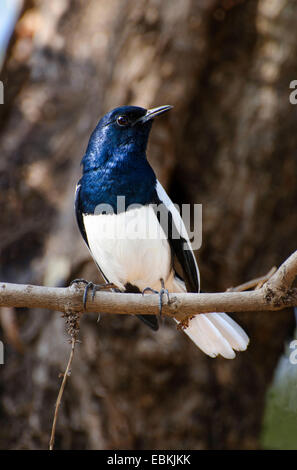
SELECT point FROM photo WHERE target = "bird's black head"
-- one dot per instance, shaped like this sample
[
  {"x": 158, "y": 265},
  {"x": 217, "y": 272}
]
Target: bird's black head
[{"x": 120, "y": 132}]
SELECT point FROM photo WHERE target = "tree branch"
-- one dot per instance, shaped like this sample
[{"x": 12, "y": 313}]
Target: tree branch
[
  {"x": 285, "y": 275},
  {"x": 275, "y": 294}
]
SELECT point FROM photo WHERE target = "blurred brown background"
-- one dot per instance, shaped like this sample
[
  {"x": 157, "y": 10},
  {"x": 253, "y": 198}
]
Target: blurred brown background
[{"x": 230, "y": 144}]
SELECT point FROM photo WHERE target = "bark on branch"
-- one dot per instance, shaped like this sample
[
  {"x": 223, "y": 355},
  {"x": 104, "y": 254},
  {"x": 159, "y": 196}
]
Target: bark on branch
[{"x": 275, "y": 294}]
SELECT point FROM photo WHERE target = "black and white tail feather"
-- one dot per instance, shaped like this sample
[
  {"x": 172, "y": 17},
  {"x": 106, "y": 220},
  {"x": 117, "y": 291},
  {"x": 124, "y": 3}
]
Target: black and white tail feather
[
  {"x": 214, "y": 333},
  {"x": 133, "y": 265}
]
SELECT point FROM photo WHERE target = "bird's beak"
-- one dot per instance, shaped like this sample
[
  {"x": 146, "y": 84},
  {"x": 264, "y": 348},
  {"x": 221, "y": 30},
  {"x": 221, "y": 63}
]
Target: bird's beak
[{"x": 154, "y": 112}]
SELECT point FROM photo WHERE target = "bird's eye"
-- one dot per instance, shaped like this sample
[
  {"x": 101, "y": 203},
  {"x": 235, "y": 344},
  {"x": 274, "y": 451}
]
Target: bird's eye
[{"x": 122, "y": 121}]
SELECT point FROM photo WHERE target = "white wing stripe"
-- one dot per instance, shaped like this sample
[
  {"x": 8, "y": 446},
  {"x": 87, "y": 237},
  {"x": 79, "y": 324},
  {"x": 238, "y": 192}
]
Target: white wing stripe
[{"x": 178, "y": 221}]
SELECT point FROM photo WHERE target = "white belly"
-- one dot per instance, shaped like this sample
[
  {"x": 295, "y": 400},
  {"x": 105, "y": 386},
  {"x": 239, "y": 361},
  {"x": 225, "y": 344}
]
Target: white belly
[{"x": 130, "y": 247}]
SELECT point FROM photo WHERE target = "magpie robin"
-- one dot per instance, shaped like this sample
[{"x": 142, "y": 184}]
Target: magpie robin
[{"x": 115, "y": 204}]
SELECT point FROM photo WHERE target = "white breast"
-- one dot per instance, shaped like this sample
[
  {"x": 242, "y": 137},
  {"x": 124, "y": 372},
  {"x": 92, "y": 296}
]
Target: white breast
[{"x": 130, "y": 247}]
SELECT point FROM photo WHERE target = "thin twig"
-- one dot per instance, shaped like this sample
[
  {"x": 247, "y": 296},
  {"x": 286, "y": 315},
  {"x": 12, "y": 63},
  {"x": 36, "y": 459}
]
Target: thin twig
[
  {"x": 253, "y": 283},
  {"x": 285, "y": 275},
  {"x": 266, "y": 278},
  {"x": 72, "y": 323},
  {"x": 60, "y": 394}
]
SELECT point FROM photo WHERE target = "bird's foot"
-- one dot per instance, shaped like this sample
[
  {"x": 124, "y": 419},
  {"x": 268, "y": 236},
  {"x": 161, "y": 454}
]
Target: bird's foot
[
  {"x": 160, "y": 293},
  {"x": 90, "y": 285}
]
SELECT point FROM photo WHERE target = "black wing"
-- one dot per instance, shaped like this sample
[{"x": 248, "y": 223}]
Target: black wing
[
  {"x": 79, "y": 213},
  {"x": 180, "y": 246}
]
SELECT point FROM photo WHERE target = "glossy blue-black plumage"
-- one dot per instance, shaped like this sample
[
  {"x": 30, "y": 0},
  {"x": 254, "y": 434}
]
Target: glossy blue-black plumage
[
  {"x": 115, "y": 165},
  {"x": 115, "y": 162}
]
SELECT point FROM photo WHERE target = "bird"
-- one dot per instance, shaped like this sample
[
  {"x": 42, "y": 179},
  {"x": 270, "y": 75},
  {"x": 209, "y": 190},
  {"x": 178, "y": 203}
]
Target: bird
[{"x": 115, "y": 207}]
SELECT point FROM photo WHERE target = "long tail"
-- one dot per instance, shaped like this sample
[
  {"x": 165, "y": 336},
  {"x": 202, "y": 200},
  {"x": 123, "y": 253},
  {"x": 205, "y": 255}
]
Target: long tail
[
  {"x": 217, "y": 333},
  {"x": 213, "y": 333}
]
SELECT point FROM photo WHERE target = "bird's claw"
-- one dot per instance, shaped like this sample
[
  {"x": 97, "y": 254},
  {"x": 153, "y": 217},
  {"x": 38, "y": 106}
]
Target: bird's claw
[
  {"x": 149, "y": 289},
  {"x": 91, "y": 285},
  {"x": 160, "y": 293}
]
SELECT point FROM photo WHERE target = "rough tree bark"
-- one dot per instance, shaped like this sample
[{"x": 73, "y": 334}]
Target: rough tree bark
[{"x": 228, "y": 144}]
